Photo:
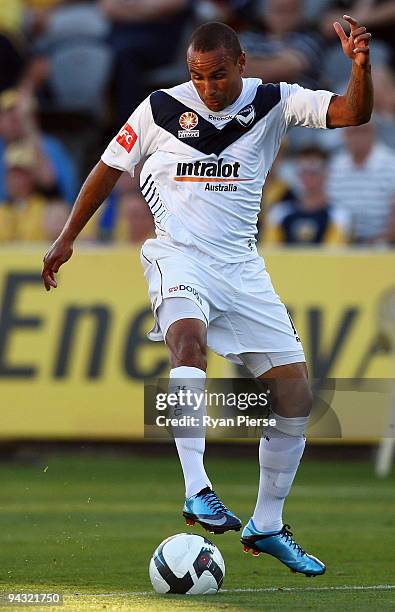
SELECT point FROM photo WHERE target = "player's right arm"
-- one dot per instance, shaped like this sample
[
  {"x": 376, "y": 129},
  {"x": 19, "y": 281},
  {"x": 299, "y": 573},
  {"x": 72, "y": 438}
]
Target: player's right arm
[
  {"x": 136, "y": 139},
  {"x": 94, "y": 191}
]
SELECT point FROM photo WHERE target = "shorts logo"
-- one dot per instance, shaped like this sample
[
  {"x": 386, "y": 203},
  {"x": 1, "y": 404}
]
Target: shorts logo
[
  {"x": 188, "y": 121},
  {"x": 127, "y": 137},
  {"x": 189, "y": 289},
  {"x": 246, "y": 116}
]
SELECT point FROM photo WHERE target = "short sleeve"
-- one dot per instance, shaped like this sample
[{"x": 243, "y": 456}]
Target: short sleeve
[
  {"x": 135, "y": 140},
  {"x": 305, "y": 107}
]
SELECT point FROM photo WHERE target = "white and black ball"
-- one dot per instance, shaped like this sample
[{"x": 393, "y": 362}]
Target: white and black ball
[{"x": 188, "y": 564}]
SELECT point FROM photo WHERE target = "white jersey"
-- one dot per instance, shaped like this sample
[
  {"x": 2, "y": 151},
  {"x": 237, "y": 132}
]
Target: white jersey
[{"x": 204, "y": 175}]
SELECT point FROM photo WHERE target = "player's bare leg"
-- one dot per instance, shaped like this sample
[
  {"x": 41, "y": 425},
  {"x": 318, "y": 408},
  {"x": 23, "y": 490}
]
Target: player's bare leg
[
  {"x": 280, "y": 451},
  {"x": 186, "y": 340}
]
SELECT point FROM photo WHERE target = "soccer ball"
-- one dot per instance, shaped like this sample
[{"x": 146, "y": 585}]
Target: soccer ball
[{"x": 187, "y": 563}]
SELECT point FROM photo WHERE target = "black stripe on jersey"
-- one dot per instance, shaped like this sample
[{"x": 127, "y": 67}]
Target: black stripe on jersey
[
  {"x": 155, "y": 214},
  {"x": 152, "y": 196},
  {"x": 154, "y": 204},
  {"x": 167, "y": 111},
  {"x": 146, "y": 181},
  {"x": 148, "y": 190}
]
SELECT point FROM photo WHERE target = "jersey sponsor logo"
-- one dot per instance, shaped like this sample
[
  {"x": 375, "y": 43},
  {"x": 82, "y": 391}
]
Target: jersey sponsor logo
[
  {"x": 224, "y": 174},
  {"x": 216, "y": 172},
  {"x": 188, "y": 121},
  {"x": 127, "y": 137},
  {"x": 189, "y": 289},
  {"x": 246, "y": 116}
]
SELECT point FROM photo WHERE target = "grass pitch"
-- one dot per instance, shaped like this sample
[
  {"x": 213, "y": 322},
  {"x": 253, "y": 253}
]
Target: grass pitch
[{"x": 86, "y": 526}]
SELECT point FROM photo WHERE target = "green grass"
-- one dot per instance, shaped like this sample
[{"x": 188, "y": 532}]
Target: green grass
[{"x": 89, "y": 524}]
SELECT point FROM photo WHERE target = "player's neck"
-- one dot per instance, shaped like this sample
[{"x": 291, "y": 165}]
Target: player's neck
[{"x": 238, "y": 94}]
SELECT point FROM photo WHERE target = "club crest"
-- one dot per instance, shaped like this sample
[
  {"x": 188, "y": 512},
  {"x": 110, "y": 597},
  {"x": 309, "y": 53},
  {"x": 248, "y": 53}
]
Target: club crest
[{"x": 246, "y": 116}]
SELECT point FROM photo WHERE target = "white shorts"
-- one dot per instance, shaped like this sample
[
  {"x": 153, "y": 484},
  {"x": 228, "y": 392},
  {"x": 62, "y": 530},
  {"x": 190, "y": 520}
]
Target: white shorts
[{"x": 243, "y": 313}]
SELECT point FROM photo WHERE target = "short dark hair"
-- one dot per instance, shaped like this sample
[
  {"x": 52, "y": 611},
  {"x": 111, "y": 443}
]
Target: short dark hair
[{"x": 214, "y": 35}]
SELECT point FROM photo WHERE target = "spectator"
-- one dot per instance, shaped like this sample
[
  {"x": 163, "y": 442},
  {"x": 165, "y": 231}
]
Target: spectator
[
  {"x": 124, "y": 217},
  {"x": 12, "y": 62},
  {"x": 277, "y": 185},
  {"x": 232, "y": 12},
  {"x": 384, "y": 104},
  {"x": 27, "y": 214},
  {"x": 134, "y": 220},
  {"x": 145, "y": 35},
  {"x": 12, "y": 43},
  {"x": 37, "y": 13},
  {"x": 313, "y": 10},
  {"x": 70, "y": 73},
  {"x": 79, "y": 60},
  {"x": 53, "y": 166},
  {"x": 282, "y": 49},
  {"x": 41, "y": 5},
  {"x": 309, "y": 218},
  {"x": 362, "y": 183}
]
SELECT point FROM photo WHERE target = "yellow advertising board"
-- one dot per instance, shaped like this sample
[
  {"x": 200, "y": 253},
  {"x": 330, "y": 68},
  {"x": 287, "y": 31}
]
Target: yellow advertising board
[{"x": 73, "y": 361}]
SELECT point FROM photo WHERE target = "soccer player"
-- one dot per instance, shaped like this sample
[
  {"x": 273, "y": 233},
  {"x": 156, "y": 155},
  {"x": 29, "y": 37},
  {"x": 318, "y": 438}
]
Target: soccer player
[{"x": 210, "y": 144}]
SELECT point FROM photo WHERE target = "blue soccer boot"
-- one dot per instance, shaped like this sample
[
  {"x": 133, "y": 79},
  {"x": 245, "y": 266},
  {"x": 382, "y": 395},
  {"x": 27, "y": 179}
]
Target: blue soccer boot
[
  {"x": 207, "y": 509},
  {"x": 282, "y": 546}
]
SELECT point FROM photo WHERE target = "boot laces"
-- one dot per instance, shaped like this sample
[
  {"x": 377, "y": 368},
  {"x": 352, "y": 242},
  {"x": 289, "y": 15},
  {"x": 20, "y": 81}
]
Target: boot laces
[
  {"x": 214, "y": 502},
  {"x": 287, "y": 535}
]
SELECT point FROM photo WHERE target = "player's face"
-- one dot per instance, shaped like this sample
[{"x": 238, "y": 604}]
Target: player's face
[{"x": 216, "y": 76}]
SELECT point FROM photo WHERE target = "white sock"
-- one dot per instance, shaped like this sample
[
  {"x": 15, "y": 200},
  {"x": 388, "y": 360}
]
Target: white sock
[
  {"x": 279, "y": 458},
  {"x": 190, "y": 450}
]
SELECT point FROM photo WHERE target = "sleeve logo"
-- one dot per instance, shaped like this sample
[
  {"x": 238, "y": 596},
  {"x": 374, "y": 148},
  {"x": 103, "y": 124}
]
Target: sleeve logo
[
  {"x": 127, "y": 137},
  {"x": 188, "y": 121}
]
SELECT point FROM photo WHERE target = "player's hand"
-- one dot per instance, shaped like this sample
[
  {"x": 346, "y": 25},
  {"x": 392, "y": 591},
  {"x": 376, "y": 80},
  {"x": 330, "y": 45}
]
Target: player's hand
[
  {"x": 56, "y": 256},
  {"x": 356, "y": 45}
]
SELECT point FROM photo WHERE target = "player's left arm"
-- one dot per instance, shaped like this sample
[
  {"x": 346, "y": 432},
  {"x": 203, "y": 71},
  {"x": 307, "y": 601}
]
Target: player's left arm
[{"x": 355, "y": 106}]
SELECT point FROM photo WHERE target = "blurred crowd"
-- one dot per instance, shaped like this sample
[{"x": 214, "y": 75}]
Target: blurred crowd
[{"x": 74, "y": 70}]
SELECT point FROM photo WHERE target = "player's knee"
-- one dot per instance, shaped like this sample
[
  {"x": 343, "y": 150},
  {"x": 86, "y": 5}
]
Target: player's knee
[
  {"x": 298, "y": 405},
  {"x": 293, "y": 415},
  {"x": 303, "y": 397},
  {"x": 293, "y": 398},
  {"x": 189, "y": 350}
]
